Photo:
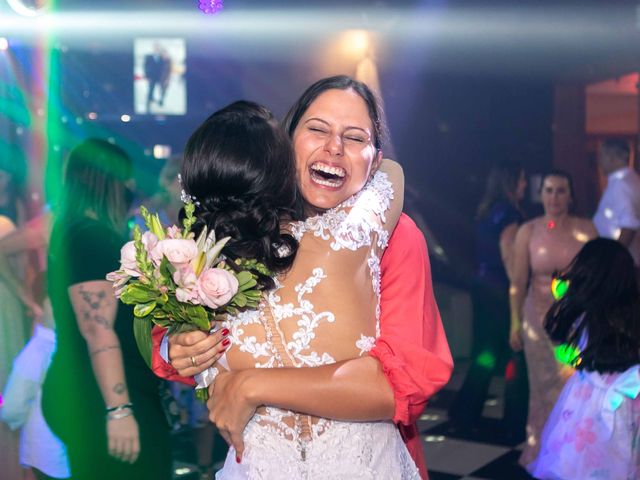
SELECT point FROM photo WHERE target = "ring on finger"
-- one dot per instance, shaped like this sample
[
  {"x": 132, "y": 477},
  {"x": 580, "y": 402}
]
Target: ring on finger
[{"x": 193, "y": 361}]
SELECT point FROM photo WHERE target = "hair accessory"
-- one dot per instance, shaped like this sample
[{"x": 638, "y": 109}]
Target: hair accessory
[{"x": 185, "y": 197}]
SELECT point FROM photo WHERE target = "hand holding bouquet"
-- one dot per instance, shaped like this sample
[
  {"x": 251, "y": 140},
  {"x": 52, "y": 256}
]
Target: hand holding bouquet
[{"x": 179, "y": 282}]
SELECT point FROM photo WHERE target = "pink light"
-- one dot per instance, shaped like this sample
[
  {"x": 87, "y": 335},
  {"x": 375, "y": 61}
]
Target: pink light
[{"x": 210, "y": 6}]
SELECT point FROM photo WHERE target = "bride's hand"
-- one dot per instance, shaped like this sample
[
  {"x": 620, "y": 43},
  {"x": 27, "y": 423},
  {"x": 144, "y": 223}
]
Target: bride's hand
[
  {"x": 230, "y": 407},
  {"x": 193, "y": 352}
]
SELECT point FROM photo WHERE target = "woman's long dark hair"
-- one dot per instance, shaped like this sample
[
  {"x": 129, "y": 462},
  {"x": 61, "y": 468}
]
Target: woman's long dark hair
[
  {"x": 602, "y": 304},
  {"x": 339, "y": 82},
  {"x": 95, "y": 183},
  {"x": 501, "y": 185},
  {"x": 239, "y": 166}
]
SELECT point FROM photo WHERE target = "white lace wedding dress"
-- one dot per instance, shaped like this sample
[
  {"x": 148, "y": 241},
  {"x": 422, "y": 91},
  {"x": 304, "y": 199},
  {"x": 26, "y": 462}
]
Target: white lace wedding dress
[{"x": 326, "y": 309}]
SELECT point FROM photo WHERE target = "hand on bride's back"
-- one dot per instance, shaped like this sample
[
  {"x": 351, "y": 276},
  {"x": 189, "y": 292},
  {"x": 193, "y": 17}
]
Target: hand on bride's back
[
  {"x": 193, "y": 352},
  {"x": 231, "y": 406}
]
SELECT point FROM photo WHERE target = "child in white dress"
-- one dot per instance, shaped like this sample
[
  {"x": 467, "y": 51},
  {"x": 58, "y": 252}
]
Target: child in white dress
[{"x": 593, "y": 430}]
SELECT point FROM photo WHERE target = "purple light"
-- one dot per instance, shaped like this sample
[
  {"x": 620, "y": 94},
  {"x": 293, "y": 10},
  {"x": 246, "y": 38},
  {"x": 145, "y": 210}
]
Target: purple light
[{"x": 210, "y": 6}]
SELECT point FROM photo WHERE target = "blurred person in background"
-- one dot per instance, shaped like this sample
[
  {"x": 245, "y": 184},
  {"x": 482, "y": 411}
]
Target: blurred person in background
[
  {"x": 498, "y": 218},
  {"x": 11, "y": 201},
  {"x": 14, "y": 327},
  {"x": 40, "y": 449},
  {"x": 166, "y": 200},
  {"x": 618, "y": 214},
  {"x": 593, "y": 431},
  {"x": 99, "y": 397},
  {"x": 543, "y": 246}
]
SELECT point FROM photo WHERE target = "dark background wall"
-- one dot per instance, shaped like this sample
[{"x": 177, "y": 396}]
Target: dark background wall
[{"x": 464, "y": 84}]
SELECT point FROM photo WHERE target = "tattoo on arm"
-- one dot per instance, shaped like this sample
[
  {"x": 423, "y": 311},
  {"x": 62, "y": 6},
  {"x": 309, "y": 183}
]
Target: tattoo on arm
[
  {"x": 120, "y": 388},
  {"x": 104, "y": 349},
  {"x": 94, "y": 301}
]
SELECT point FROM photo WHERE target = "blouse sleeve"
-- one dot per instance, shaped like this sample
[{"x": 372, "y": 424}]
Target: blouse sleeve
[{"x": 412, "y": 346}]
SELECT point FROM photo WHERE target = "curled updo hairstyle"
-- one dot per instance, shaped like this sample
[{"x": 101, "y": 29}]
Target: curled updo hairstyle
[
  {"x": 601, "y": 305},
  {"x": 339, "y": 82},
  {"x": 239, "y": 166}
]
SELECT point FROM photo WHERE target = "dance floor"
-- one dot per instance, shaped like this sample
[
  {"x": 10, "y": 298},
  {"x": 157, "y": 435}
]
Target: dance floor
[{"x": 482, "y": 452}]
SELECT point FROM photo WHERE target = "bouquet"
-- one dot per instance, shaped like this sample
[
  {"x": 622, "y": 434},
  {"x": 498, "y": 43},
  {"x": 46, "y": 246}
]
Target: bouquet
[{"x": 181, "y": 283}]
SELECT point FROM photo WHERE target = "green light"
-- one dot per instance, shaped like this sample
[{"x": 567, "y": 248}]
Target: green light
[
  {"x": 559, "y": 288},
  {"x": 566, "y": 354},
  {"x": 486, "y": 360}
]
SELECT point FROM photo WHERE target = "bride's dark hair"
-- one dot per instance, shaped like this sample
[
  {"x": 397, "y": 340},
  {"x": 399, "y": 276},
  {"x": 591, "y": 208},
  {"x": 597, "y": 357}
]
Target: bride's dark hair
[{"x": 239, "y": 167}]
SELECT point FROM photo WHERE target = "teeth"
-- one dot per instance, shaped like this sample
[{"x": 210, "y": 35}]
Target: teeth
[
  {"x": 327, "y": 183},
  {"x": 321, "y": 167}
]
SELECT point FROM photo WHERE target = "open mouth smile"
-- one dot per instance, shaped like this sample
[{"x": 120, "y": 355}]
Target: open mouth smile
[{"x": 327, "y": 175}]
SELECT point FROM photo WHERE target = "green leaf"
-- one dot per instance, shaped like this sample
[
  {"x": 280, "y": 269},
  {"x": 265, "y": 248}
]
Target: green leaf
[
  {"x": 166, "y": 269},
  {"x": 189, "y": 219},
  {"x": 239, "y": 300},
  {"x": 252, "y": 293},
  {"x": 248, "y": 285},
  {"x": 244, "y": 277},
  {"x": 143, "y": 309},
  {"x": 162, "y": 322},
  {"x": 152, "y": 222},
  {"x": 135, "y": 293},
  {"x": 142, "y": 334},
  {"x": 202, "y": 394},
  {"x": 199, "y": 317}
]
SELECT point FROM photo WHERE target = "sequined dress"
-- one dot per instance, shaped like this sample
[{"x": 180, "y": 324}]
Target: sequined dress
[
  {"x": 324, "y": 310},
  {"x": 550, "y": 250}
]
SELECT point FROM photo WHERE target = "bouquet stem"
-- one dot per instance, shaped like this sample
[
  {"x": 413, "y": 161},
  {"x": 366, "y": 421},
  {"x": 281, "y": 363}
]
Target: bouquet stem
[{"x": 203, "y": 380}]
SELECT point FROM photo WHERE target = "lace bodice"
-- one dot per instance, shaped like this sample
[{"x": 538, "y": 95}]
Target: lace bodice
[{"x": 326, "y": 308}]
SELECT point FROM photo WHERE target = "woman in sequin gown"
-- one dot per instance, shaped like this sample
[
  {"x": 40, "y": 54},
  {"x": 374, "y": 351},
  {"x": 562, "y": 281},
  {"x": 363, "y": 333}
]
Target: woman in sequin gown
[{"x": 544, "y": 245}]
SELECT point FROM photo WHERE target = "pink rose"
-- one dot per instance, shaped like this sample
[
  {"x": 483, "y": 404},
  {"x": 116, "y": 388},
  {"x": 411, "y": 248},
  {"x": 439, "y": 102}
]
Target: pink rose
[
  {"x": 178, "y": 251},
  {"x": 217, "y": 287},
  {"x": 128, "y": 259}
]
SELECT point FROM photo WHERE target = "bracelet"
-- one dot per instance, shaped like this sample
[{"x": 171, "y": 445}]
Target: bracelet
[
  {"x": 119, "y": 415},
  {"x": 119, "y": 407}
]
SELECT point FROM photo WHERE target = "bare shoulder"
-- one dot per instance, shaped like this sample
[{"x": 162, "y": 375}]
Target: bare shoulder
[
  {"x": 391, "y": 168},
  {"x": 586, "y": 226},
  {"x": 526, "y": 229}
]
